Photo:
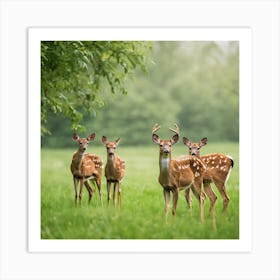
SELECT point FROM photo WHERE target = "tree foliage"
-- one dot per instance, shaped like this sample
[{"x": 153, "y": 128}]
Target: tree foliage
[
  {"x": 75, "y": 75},
  {"x": 195, "y": 84}
]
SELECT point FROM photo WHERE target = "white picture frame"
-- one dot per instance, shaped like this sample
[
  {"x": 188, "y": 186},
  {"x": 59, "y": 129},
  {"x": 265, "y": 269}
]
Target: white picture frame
[
  {"x": 261, "y": 261},
  {"x": 242, "y": 35}
]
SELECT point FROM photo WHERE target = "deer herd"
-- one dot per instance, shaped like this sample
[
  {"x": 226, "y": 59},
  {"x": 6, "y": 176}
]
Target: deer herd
[{"x": 191, "y": 172}]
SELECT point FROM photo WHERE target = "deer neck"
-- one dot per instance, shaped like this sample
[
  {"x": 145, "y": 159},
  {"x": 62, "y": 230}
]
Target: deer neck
[
  {"x": 79, "y": 158},
  {"x": 164, "y": 166},
  {"x": 111, "y": 161}
]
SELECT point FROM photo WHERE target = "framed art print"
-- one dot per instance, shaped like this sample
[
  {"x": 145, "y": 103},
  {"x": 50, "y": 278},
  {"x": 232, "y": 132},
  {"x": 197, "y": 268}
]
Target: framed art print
[
  {"x": 147, "y": 98},
  {"x": 88, "y": 87}
]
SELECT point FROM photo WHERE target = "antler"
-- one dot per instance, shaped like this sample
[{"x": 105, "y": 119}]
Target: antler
[
  {"x": 155, "y": 128},
  {"x": 175, "y": 130}
]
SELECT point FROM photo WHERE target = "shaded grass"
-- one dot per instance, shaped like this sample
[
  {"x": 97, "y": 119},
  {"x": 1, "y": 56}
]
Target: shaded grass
[{"x": 142, "y": 212}]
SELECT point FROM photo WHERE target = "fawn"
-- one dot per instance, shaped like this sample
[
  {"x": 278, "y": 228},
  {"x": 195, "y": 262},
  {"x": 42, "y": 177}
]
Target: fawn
[
  {"x": 85, "y": 167},
  {"x": 114, "y": 170},
  {"x": 218, "y": 169}
]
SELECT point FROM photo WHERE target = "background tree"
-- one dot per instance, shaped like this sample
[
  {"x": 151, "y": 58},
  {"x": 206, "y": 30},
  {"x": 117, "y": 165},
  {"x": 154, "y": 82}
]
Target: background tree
[{"x": 76, "y": 74}]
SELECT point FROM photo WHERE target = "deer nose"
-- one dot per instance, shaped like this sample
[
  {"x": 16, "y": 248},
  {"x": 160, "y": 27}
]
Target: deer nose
[
  {"x": 165, "y": 151},
  {"x": 193, "y": 154},
  {"x": 84, "y": 148}
]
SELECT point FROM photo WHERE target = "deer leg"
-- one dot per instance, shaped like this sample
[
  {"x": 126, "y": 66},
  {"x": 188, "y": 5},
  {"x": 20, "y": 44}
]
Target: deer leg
[
  {"x": 166, "y": 194},
  {"x": 89, "y": 189},
  {"x": 175, "y": 200},
  {"x": 114, "y": 194},
  {"x": 188, "y": 197},
  {"x": 201, "y": 205},
  {"x": 108, "y": 192},
  {"x": 81, "y": 190},
  {"x": 195, "y": 192},
  {"x": 222, "y": 189},
  {"x": 98, "y": 184},
  {"x": 196, "y": 188},
  {"x": 119, "y": 194},
  {"x": 93, "y": 189},
  {"x": 212, "y": 196},
  {"x": 76, "y": 189}
]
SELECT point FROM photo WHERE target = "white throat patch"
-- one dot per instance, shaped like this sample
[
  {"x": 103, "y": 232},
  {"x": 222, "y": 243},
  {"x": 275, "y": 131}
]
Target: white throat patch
[{"x": 165, "y": 163}]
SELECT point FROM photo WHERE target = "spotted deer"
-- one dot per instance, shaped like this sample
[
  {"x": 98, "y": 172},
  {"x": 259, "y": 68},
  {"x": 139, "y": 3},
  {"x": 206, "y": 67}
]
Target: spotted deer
[
  {"x": 218, "y": 169},
  {"x": 114, "y": 170},
  {"x": 178, "y": 174},
  {"x": 85, "y": 167}
]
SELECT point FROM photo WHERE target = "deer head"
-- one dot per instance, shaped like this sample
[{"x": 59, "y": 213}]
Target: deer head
[
  {"x": 194, "y": 147},
  {"x": 111, "y": 146},
  {"x": 165, "y": 145},
  {"x": 83, "y": 142}
]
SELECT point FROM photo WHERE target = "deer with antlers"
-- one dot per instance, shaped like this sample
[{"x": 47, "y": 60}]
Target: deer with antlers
[
  {"x": 218, "y": 169},
  {"x": 85, "y": 167},
  {"x": 178, "y": 174},
  {"x": 114, "y": 170}
]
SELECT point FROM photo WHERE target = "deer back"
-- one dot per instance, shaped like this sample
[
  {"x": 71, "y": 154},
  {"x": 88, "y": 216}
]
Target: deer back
[
  {"x": 187, "y": 169},
  {"x": 217, "y": 166},
  {"x": 90, "y": 165}
]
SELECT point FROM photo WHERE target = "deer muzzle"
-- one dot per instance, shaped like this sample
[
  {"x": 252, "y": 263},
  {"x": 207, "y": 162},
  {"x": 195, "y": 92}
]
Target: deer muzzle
[{"x": 166, "y": 152}]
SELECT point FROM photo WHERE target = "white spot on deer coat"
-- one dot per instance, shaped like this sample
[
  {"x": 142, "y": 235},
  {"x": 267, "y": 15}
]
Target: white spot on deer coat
[{"x": 196, "y": 174}]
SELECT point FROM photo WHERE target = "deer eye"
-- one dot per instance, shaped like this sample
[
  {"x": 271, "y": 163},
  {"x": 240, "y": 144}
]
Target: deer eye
[{"x": 161, "y": 145}]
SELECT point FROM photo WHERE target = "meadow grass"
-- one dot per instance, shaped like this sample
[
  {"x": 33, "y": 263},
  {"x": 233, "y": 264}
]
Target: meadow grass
[{"x": 142, "y": 213}]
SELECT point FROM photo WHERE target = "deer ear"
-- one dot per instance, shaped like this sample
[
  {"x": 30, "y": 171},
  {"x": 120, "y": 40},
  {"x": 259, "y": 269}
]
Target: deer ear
[
  {"x": 155, "y": 138},
  {"x": 104, "y": 140},
  {"x": 186, "y": 141},
  {"x": 118, "y": 141},
  {"x": 75, "y": 136},
  {"x": 174, "y": 139},
  {"x": 203, "y": 141},
  {"x": 91, "y": 137}
]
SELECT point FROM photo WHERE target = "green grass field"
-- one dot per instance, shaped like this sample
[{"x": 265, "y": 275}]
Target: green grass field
[{"x": 142, "y": 213}]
